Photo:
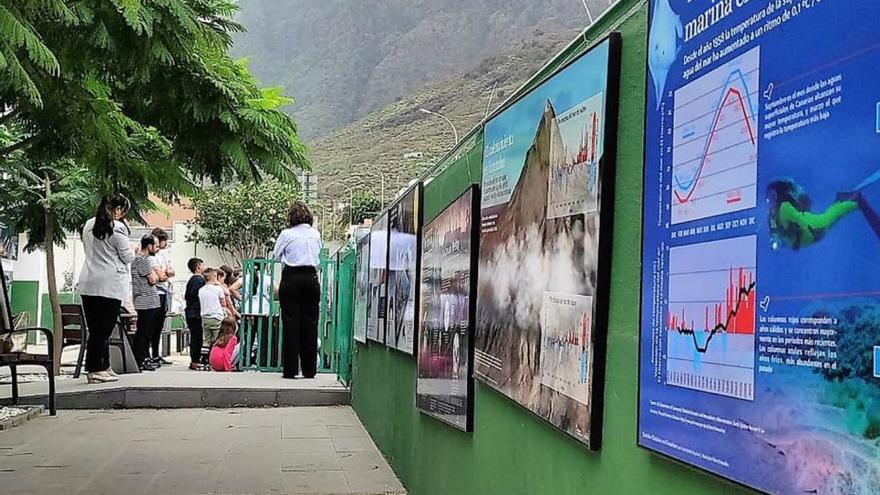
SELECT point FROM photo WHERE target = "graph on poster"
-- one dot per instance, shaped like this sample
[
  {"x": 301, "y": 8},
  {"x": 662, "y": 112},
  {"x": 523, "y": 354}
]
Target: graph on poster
[
  {"x": 575, "y": 151},
  {"x": 566, "y": 320},
  {"x": 711, "y": 317},
  {"x": 715, "y": 142}
]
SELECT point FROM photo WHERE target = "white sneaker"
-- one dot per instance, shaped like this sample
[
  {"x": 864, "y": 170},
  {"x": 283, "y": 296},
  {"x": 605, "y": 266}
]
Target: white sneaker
[{"x": 100, "y": 377}]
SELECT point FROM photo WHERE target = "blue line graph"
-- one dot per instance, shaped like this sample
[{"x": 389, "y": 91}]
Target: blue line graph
[
  {"x": 714, "y": 152},
  {"x": 752, "y": 114}
]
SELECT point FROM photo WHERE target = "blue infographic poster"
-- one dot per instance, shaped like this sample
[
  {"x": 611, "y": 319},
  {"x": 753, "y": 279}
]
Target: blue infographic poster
[{"x": 760, "y": 317}]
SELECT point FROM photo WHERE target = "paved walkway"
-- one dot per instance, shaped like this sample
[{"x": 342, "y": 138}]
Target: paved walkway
[{"x": 315, "y": 450}]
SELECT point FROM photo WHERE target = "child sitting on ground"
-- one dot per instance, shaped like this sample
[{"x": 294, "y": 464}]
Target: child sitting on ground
[{"x": 225, "y": 350}]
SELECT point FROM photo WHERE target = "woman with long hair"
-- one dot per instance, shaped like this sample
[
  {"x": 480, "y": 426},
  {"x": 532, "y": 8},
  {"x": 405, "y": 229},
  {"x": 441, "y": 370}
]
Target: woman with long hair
[
  {"x": 298, "y": 247},
  {"x": 223, "y": 277},
  {"x": 104, "y": 281}
]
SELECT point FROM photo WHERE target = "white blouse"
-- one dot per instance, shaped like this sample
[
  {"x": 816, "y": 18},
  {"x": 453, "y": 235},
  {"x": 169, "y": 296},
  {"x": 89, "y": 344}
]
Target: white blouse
[
  {"x": 298, "y": 246},
  {"x": 105, "y": 271}
]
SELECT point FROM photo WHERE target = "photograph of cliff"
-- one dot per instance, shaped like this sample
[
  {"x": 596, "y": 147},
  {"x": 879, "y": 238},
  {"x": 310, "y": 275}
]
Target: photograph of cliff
[{"x": 539, "y": 255}]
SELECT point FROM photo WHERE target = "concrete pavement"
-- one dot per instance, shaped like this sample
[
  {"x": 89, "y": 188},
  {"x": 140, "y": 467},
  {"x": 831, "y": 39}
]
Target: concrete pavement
[{"x": 298, "y": 450}]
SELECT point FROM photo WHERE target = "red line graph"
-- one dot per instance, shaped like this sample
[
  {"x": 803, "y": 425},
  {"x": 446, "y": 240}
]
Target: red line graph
[
  {"x": 712, "y": 133},
  {"x": 735, "y": 316}
]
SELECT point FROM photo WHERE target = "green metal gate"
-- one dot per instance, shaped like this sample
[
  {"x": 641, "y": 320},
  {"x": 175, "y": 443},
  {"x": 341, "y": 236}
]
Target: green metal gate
[
  {"x": 260, "y": 327},
  {"x": 327, "y": 315},
  {"x": 344, "y": 312}
]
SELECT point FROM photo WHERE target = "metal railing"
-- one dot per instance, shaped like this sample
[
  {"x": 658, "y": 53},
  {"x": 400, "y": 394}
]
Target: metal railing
[{"x": 260, "y": 327}]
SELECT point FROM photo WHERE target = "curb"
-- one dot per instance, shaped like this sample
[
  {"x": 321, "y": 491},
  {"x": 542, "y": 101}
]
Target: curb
[
  {"x": 31, "y": 412},
  {"x": 175, "y": 398}
]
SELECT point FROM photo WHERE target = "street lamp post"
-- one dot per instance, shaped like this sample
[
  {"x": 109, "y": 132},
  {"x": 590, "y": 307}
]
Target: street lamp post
[
  {"x": 454, "y": 130},
  {"x": 350, "y": 197},
  {"x": 381, "y": 176}
]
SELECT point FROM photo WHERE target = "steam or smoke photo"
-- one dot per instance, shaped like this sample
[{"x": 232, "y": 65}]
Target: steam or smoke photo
[{"x": 539, "y": 247}]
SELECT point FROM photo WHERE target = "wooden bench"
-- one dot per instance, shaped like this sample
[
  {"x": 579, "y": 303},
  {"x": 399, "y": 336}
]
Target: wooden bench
[{"x": 14, "y": 359}]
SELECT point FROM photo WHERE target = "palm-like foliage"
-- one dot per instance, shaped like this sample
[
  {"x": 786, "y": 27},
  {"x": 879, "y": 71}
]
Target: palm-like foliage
[
  {"x": 133, "y": 96},
  {"x": 21, "y": 47},
  {"x": 140, "y": 91}
]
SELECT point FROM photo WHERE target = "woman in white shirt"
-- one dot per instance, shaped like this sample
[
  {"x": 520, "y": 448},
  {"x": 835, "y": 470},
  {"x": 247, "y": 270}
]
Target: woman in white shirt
[
  {"x": 104, "y": 281},
  {"x": 299, "y": 293}
]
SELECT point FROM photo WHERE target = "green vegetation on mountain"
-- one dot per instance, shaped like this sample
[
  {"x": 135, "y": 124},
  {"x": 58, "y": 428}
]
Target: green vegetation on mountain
[{"x": 383, "y": 138}]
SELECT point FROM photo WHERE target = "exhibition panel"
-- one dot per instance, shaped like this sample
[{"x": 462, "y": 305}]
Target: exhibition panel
[
  {"x": 542, "y": 295},
  {"x": 445, "y": 384},
  {"x": 361, "y": 288},
  {"x": 378, "y": 275},
  {"x": 760, "y": 315},
  {"x": 404, "y": 221}
]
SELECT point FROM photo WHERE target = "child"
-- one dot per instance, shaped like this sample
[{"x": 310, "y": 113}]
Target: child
[
  {"x": 222, "y": 277},
  {"x": 213, "y": 307},
  {"x": 224, "y": 352},
  {"x": 193, "y": 311}
]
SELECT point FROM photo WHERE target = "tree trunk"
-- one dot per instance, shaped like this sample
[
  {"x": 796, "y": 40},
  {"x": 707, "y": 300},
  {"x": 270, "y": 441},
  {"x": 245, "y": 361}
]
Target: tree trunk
[{"x": 53, "y": 285}]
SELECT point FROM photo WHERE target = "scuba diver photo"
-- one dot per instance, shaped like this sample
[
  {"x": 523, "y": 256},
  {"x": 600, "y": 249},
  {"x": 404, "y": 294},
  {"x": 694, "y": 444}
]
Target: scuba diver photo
[{"x": 794, "y": 225}]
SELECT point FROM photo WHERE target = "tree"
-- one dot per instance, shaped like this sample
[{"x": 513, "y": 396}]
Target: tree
[
  {"x": 137, "y": 96},
  {"x": 143, "y": 92},
  {"x": 242, "y": 220},
  {"x": 45, "y": 203},
  {"x": 22, "y": 51},
  {"x": 365, "y": 205}
]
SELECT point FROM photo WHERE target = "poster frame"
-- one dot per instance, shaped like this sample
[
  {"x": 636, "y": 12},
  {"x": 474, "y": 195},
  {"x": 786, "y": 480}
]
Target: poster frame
[
  {"x": 383, "y": 298},
  {"x": 644, "y": 183},
  {"x": 354, "y": 334},
  {"x": 419, "y": 192},
  {"x": 604, "y": 253},
  {"x": 475, "y": 192}
]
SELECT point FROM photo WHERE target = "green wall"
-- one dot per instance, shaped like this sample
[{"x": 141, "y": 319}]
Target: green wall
[
  {"x": 511, "y": 451},
  {"x": 24, "y": 296}
]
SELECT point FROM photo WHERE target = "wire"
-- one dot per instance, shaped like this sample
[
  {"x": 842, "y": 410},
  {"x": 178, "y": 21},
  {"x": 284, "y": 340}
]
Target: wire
[{"x": 587, "y": 8}]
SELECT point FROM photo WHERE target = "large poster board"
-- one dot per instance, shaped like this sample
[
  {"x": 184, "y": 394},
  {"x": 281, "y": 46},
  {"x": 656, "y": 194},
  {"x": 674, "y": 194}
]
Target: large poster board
[
  {"x": 760, "y": 315},
  {"x": 545, "y": 244},
  {"x": 361, "y": 288},
  {"x": 404, "y": 222},
  {"x": 445, "y": 358},
  {"x": 378, "y": 273}
]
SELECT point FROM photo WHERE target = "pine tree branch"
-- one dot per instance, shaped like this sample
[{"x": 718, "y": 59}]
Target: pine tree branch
[
  {"x": 10, "y": 115},
  {"x": 19, "y": 145}
]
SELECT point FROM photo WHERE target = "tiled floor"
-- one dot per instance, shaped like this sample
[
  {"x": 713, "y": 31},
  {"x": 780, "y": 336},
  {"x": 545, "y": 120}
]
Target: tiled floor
[{"x": 315, "y": 450}]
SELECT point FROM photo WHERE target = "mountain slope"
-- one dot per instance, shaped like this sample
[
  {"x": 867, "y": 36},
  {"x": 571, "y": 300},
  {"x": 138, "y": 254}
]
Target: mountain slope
[
  {"x": 383, "y": 137},
  {"x": 342, "y": 59}
]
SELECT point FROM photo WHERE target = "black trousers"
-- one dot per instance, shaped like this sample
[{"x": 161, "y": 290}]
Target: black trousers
[
  {"x": 156, "y": 337},
  {"x": 101, "y": 315},
  {"x": 195, "y": 339},
  {"x": 300, "y": 295},
  {"x": 147, "y": 322}
]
